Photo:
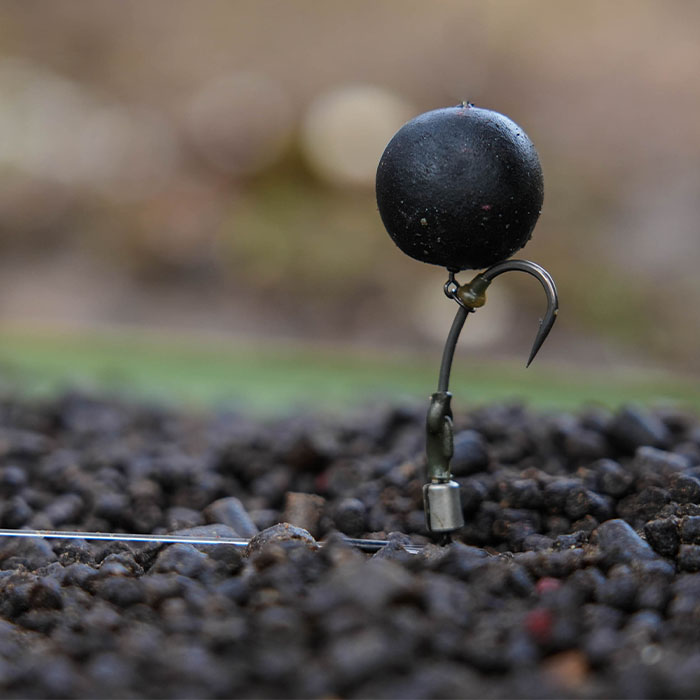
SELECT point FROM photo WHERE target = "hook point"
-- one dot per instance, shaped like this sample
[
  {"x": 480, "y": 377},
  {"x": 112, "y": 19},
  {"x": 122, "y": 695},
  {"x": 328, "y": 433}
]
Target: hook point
[{"x": 545, "y": 279}]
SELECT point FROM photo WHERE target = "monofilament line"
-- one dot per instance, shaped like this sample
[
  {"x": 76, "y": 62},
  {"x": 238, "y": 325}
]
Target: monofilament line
[{"x": 364, "y": 545}]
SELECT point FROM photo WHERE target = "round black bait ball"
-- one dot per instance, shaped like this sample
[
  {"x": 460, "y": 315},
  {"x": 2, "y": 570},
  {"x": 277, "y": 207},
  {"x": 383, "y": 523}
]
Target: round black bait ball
[{"x": 460, "y": 187}]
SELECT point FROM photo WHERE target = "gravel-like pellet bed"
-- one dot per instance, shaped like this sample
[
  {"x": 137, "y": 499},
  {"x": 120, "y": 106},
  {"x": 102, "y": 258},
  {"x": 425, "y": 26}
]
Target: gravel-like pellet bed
[{"x": 577, "y": 574}]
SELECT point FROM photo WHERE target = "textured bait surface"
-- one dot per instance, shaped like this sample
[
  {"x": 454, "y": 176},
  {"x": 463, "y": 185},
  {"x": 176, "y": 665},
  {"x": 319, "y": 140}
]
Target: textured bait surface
[{"x": 460, "y": 187}]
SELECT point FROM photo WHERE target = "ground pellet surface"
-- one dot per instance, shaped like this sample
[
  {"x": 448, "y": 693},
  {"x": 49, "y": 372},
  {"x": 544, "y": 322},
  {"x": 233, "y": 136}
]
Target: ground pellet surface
[{"x": 576, "y": 575}]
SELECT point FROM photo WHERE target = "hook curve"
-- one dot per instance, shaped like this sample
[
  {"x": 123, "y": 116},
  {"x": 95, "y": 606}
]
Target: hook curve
[
  {"x": 472, "y": 295},
  {"x": 550, "y": 289}
]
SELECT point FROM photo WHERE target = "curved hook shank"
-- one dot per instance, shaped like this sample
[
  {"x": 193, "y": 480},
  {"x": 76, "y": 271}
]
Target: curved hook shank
[
  {"x": 450, "y": 345},
  {"x": 545, "y": 279}
]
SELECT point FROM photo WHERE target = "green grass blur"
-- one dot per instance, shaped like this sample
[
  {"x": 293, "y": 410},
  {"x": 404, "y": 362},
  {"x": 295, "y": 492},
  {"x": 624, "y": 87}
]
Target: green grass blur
[{"x": 278, "y": 379}]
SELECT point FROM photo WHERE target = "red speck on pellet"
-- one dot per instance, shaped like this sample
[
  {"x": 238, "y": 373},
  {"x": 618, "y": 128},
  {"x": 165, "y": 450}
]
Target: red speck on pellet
[
  {"x": 486, "y": 207},
  {"x": 538, "y": 623},
  {"x": 547, "y": 584},
  {"x": 321, "y": 482}
]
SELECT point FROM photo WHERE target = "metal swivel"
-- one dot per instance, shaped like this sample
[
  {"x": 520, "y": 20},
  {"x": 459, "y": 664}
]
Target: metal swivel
[{"x": 443, "y": 508}]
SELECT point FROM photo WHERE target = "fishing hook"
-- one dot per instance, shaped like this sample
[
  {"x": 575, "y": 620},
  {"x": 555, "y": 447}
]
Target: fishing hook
[{"x": 443, "y": 509}]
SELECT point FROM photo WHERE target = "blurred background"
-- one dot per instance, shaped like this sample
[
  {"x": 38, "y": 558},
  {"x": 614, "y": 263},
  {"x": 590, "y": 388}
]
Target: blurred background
[{"x": 197, "y": 178}]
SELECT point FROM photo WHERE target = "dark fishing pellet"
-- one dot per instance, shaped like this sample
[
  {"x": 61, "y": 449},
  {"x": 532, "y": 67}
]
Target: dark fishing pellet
[{"x": 573, "y": 564}]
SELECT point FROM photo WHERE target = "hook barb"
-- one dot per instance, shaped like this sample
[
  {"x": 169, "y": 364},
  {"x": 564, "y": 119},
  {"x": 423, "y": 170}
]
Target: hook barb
[{"x": 550, "y": 289}]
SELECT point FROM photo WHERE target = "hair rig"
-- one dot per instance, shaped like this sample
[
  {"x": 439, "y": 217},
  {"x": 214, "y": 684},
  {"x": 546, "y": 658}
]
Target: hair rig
[{"x": 459, "y": 187}]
